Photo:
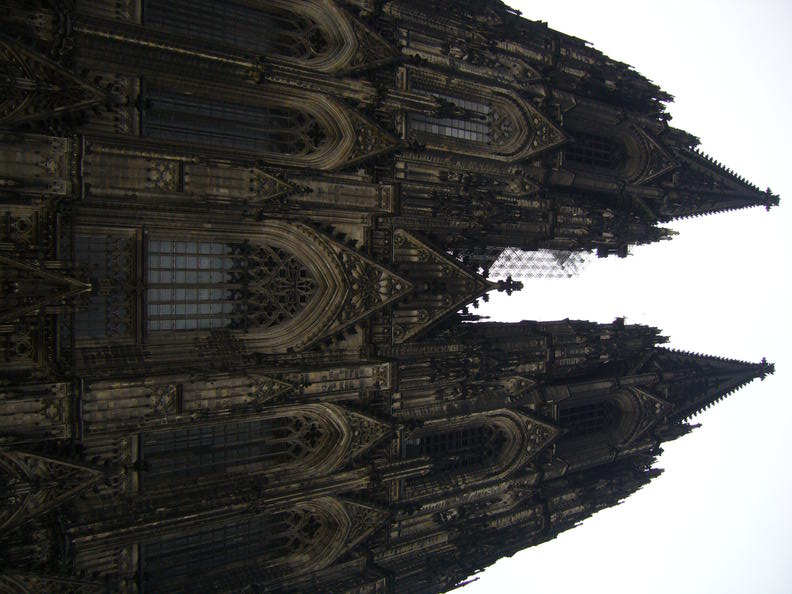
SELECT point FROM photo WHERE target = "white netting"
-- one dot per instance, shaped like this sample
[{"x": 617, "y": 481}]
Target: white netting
[{"x": 521, "y": 264}]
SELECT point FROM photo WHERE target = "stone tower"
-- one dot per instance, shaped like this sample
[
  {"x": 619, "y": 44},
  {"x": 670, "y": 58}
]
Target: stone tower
[{"x": 237, "y": 238}]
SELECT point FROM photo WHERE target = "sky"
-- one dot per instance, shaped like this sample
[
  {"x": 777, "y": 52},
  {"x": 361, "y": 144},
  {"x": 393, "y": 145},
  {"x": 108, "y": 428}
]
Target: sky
[{"x": 718, "y": 520}]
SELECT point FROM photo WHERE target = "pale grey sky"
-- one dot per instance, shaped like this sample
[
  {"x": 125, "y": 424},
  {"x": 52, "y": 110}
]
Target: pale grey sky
[{"x": 719, "y": 519}]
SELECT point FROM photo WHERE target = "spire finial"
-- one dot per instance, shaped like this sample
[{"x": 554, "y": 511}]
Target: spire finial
[{"x": 509, "y": 285}]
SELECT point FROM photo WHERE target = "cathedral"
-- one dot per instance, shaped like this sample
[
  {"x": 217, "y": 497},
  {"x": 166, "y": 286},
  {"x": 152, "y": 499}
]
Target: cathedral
[{"x": 238, "y": 243}]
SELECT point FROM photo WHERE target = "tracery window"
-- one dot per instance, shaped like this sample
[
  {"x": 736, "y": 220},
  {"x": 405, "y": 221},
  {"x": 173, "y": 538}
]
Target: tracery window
[
  {"x": 471, "y": 120},
  {"x": 260, "y": 28},
  {"x": 241, "y": 446},
  {"x": 594, "y": 150},
  {"x": 588, "y": 418},
  {"x": 189, "y": 118},
  {"x": 202, "y": 550},
  {"x": 109, "y": 262},
  {"x": 463, "y": 447},
  {"x": 195, "y": 285}
]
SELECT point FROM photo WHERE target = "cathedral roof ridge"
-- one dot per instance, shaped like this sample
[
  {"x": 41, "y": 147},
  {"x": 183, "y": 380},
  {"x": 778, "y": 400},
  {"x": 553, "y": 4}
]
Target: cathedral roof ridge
[
  {"x": 728, "y": 375},
  {"x": 764, "y": 198},
  {"x": 692, "y": 412},
  {"x": 769, "y": 367}
]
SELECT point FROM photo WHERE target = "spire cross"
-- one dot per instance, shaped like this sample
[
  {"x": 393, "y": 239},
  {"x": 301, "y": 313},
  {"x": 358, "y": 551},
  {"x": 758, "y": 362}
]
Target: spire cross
[{"x": 509, "y": 285}]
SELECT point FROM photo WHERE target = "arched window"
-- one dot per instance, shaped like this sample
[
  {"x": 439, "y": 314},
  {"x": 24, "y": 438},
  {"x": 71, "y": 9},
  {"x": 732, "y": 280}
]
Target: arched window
[
  {"x": 185, "y": 117},
  {"x": 251, "y": 445},
  {"x": 464, "y": 447},
  {"x": 593, "y": 150},
  {"x": 253, "y": 27},
  {"x": 460, "y": 118},
  {"x": 588, "y": 418},
  {"x": 196, "y": 284},
  {"x": 108, "y": 260},
  {"x": 246, "y": 548}
]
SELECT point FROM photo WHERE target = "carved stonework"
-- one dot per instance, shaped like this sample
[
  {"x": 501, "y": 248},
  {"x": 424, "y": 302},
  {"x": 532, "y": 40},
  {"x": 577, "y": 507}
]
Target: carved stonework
[
  {"x": 370, "y": 286},
  {"x": 165, "y": 399},
  {"x": 110, "y": 263},
  {"x": 36, "y": 484},
  {"x": 372, "y": 50},
  {"x": 366, "y": 432},
  {"x": 267, "y": 187},
  {"x": 33, "y": 87},
  {"x": 657, "y": 161},
  {"x": 16, "y": 582},
  {"x": 164, "y": 175},
  {"x": 370, "y": 141},
  {"x": 364, "y": 520},
  {"x": 279, "y": 286},
  {"x": 26, "y": 287},
  {"x": 502, "y": 128},
  {"x": 651, "y": 410},
  {"x": 546, "y": 135},
  {"x": 220, "y": 348},
  {"x": 267, "y": 390},
  {"x": 459, "y": 285}
]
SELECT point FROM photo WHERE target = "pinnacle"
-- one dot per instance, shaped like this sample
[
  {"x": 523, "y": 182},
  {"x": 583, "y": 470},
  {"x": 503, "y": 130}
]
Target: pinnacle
[
  {"x": 770, "y": 199},
  {"x": 726, "y": 376}
]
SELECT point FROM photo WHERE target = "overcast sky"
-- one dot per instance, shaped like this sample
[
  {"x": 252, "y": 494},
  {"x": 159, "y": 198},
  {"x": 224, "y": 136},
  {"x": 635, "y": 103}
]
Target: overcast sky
[{"x": 718, "y": 520}]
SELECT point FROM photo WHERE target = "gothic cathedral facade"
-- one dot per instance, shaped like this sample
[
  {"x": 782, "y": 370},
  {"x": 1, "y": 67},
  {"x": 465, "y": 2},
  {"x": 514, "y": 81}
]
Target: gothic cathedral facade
[{"x": 237, "y": 240}]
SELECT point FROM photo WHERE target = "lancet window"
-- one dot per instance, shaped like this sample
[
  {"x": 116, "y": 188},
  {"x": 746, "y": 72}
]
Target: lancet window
[
  {"x": 588, "y": 418},
  {"x": 109, "y": 262},
  {"x": 256, "y": 27},
  {"x": 196, "y": 285},
  {"x": 263, "y": 539},
  {"x": 463, "y": 447},
  {"x": 466, "y": 120},
  {"x": 593, "y": 150},
  {"x": 242, "y": 446},
  {"x": 190, "y": 118}
]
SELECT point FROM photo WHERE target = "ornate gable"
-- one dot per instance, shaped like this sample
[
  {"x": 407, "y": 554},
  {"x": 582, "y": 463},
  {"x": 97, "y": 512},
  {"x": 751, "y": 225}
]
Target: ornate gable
[
  {"x": 451, "y": 285},
  {"x": 26, "y": 287},
  {"x": 40, "y": 483},
  {"x": 537, "y": 434},
  {"x": 367, "y": 286},
  {"x": 34, "y": 87},
  {"x": 366, "y": 432},
  {"x": 704, "y": 186},
  {"x": 372, "y": 50},
  {"x": 370, "y": 140},
  {"x": 18, "y": 582},
  {"x": 651, "y": 409},
  {"x": 658, "y": 161},
  {"x": 363, "y": 521}
]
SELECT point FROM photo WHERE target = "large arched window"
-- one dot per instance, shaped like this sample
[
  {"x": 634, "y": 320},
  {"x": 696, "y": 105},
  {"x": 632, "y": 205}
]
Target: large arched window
[
  {"x": 195, "y": 284},
  {"x": 470, "y": 450},
  {"x": 229, "y": 447},
  {"x": 185, "y": 117},
  {"x": 252, "y": 548},
  {"x": 588, "y": 418},
  {"x": 308, "y": 438},
  {"x": 468, "y": 446},
  {"x": 463, "y": 119},
  {"x": 253, "y": 27},
  {"x": 594, "y": 150},
  {"x": 473, "y": 119}
]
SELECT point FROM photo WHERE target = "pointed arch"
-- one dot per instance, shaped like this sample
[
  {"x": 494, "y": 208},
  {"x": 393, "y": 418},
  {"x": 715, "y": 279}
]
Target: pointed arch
[
  {"x": 253, "y": 548},
  {"x": 490, "y": 446},
  {"x": 285, "y": 441},
  {"x": 37, "y": 483},
  {"x": 314, "y": 34},
  {"x": 280, "y": 126},
  {"x": 478, "y": 120},
  {"x": 600, "y": 425}
]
